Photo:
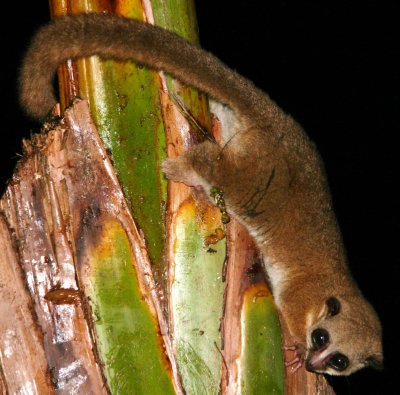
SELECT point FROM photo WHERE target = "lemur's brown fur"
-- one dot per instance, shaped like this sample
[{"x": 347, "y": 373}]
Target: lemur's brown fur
[{"x": 270, "y": 172}]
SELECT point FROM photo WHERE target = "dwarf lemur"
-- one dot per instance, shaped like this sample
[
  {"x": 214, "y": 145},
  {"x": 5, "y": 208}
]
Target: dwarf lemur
[{"x": 271, "y": 175}]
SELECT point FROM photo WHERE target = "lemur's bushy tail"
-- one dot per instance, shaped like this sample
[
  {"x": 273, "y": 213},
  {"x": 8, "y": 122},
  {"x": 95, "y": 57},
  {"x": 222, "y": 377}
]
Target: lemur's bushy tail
[{"x": 115, "y": 37}]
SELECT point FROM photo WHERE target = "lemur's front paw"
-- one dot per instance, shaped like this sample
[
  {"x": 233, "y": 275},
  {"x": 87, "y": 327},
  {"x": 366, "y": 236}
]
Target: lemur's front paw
[
  {"x": 297, "y": 361},
  {"x": 180, "y": 169},
  {"x": 174, "y": 168},
  {"x": 195, "y": 167}
]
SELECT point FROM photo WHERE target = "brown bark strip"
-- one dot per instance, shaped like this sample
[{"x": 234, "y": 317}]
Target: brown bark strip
[
  {"x": 22, "y": 356},
  {"x": 37, "y": 209},
  {"x": 241, "y": 251}
]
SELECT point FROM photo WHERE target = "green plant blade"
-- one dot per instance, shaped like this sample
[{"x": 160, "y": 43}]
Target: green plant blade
[
  {"x": 127, "y": 339},
  {"x": 262, "y": 369},
  {"x": 197, "y": 296}
]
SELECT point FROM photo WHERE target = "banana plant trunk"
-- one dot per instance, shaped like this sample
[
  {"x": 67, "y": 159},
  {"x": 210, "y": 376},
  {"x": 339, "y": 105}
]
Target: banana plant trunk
[{"x": 113, "y": 280}]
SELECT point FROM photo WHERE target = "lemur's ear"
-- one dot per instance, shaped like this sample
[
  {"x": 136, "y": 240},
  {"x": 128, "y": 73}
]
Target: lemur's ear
[
  {"x": 333, "y": 306},
  {"x": 375, "y": 362}
]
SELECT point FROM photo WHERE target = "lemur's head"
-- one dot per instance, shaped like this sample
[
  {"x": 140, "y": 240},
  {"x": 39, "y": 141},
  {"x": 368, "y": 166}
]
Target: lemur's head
[{"x": 344, "y": 337}]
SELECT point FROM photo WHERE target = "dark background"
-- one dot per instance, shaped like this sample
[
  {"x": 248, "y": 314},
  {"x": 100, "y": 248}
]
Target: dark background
[{"x": 335, "y": 67}]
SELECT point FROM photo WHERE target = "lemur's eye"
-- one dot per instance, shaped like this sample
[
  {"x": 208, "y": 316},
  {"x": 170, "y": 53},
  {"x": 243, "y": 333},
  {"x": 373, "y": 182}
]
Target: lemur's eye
[
  {"x": 338, "y": 362},
  {"x": 320, "y": 338},
  {"x": 333, "y": 306}
]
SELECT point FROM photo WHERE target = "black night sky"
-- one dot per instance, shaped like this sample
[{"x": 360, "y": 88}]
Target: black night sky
[{"x": 335, "y": 67}]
